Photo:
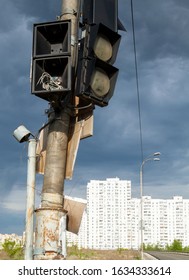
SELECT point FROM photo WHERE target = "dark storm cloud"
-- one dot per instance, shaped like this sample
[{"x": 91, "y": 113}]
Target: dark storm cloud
[
  {"x": 161, "y": 28},
  {"x": 46, "y": 10},
  {"x": 162, "y": 43},
  {"x": 8, "y": 21},
  {"x": 14, "y": 224}
]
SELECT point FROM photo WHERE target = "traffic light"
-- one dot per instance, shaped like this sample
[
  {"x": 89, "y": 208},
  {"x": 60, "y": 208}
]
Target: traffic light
[
  {"x": 96, "y": 76},
  {"x": 51, "y": 60},
  {"x": 101, "y": 11}
]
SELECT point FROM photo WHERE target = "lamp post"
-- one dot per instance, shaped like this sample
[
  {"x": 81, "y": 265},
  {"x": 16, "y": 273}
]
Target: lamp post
[
  {"x": 22, "y": 134},
  {"x": 150, "y": 157}
]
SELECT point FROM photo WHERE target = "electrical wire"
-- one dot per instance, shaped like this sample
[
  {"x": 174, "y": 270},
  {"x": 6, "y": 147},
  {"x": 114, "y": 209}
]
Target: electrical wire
[
  {"x": 50, "y": 83},
  {"x": 137, "y": 81}
]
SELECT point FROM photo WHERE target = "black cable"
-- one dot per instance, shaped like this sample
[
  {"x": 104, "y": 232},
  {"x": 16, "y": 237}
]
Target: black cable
[{"x": 137, "y": 83}]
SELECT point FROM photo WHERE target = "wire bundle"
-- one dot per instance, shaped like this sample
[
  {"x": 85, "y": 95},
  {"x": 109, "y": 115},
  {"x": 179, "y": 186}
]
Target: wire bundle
[{"x": 50, "y": 83}]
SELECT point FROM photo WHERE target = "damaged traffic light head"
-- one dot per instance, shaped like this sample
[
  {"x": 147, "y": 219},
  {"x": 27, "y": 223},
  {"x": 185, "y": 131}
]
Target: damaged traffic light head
[
  {"x": 51, "y": 60},
  {"x": 96, "y": 74}
]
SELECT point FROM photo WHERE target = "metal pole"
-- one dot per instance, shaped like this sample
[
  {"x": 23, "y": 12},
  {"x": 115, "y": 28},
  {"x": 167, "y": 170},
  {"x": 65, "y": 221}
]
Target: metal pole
[
  {"x": 141, "y": 204},
  {"x": 47, "y": 245},
  {"x": 30, "y": 201},
  {"x": 141, "y": 198}
]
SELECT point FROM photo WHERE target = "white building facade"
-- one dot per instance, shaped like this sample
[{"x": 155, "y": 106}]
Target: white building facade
[
  {"x": 112, "y": 218},
  {"x": 107, "y": 209},
  {"x": 163, "y": 219}
]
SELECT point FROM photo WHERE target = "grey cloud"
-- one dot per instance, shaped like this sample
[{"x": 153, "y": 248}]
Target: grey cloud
[
  {"x": 114, "y": 150},
  {"x": 46, "y": 10}
]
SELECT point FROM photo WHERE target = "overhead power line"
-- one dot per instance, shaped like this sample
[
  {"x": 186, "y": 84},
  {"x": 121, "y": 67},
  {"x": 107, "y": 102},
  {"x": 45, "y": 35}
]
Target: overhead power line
[{"x": 137, "y": 81}]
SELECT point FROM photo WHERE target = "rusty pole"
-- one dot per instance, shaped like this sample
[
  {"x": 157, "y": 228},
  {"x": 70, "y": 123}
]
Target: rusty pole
[{"x": 48, "y": 216}]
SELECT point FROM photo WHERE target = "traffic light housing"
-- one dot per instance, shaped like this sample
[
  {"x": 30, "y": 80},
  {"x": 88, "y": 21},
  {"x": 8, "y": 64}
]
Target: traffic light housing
[
  {"x": 96, "y": 76},
  {"x": 51, "y": 60},
  {"x": 101, "y": 11}
]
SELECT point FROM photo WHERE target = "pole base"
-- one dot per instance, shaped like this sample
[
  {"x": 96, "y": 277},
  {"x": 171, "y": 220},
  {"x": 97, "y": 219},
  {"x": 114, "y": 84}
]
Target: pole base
[{"x": 47, "y": 233}]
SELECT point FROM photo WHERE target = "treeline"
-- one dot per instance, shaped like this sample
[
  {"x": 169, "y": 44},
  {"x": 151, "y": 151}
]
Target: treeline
[{"x": 176, "y": 246}]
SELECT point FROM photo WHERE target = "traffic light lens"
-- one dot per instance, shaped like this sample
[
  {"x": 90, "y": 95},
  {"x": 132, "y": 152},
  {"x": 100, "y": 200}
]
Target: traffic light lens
[
  {"x": 103, "y": 48},
  {"x": 100, "y": 83}
]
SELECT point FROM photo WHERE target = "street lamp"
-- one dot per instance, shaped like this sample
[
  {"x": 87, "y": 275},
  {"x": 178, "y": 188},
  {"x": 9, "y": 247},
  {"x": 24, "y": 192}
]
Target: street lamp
[
  {"x": 150, "y": 157},
  {"x": 22, "y": 134}
]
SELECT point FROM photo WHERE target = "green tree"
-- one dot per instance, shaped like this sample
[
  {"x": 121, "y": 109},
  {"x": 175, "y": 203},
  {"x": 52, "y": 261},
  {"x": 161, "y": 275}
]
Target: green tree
[
  {"x": 152, "y": 247},
  {"x": 13, "y": 250},
  {"x": 175, "y": 246},
  {"x": 186, "y": 249}
]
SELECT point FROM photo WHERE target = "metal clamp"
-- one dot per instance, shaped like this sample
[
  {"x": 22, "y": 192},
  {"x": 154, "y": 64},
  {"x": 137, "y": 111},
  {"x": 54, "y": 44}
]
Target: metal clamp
[
  {"x": 39, "y": 251},
  {"x": 67, "y": 11}
]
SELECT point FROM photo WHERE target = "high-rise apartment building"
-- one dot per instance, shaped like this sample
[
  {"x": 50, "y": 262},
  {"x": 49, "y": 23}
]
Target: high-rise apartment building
[
  {"x": 105, "y": 221},
  {"x": 113, "y": 219},
  {"x": 107, "y": 209}
]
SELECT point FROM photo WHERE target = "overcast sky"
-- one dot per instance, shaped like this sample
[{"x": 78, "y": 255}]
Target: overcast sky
[{"x": 162, "y": 44}]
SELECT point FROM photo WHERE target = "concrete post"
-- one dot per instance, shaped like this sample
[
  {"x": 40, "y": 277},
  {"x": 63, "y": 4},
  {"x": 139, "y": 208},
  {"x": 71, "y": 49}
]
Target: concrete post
[{"x": 47, "y": 245}]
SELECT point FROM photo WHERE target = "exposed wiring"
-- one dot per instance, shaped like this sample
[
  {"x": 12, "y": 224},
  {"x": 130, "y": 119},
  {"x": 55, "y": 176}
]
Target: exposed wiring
[
  {"x": 45, "y": 125},
  {"x": 50, "y": 83},
  {"x": 82, "y": 107}
]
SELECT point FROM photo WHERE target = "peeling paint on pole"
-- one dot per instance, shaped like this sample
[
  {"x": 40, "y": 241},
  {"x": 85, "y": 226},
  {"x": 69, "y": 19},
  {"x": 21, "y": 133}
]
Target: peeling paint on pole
[{"x": 47, "y": 244}]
